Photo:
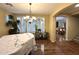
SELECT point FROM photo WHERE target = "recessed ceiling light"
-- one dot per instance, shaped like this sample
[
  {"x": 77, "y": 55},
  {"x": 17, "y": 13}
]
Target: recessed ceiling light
[{"x": 77, "y": 5}]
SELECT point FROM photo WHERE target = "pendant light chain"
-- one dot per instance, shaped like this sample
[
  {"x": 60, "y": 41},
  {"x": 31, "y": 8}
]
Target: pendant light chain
[{"x": 30, "y": 10}]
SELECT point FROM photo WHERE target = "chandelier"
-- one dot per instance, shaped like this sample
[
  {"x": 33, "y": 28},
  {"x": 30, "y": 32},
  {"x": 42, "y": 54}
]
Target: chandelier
[{"x": 30, "y": 18}]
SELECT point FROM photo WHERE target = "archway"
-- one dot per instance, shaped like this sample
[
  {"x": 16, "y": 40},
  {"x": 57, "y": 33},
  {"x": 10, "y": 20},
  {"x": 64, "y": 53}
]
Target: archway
[{"x": 52, "y": 22}]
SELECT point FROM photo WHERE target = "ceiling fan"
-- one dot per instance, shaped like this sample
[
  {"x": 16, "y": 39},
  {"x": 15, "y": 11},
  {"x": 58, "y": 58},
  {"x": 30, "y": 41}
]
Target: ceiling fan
[{"x": 9, "y": 4}]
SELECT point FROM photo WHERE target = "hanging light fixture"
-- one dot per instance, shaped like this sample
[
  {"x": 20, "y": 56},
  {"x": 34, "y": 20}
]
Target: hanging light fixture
[{"x": 30, "y": 18}]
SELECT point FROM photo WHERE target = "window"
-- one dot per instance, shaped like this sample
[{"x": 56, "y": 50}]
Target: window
[
  {"x": 41, "y": 23},
  {"x": 9, "y": 18},
  {"x": 19, "y": 24},
  {"x": 23, "y": 22},
  {"x": 26, "y": 25}
]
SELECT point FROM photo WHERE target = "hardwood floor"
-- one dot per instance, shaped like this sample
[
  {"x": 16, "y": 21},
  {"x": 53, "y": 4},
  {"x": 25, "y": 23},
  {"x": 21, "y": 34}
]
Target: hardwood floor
[{"x": 58, "y": 48}]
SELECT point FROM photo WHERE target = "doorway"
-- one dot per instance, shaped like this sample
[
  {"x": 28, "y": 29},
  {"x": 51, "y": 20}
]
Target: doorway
[{"x": 61, "y": 28}]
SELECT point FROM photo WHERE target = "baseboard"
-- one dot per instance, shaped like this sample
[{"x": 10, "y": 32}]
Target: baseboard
[
  {"x": 68, "y": 39},
  {"x": 53, "y": 41}
]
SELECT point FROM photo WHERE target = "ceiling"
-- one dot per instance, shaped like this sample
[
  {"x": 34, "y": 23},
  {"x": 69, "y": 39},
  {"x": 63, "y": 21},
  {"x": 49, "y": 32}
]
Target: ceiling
[
  {"x": 72, "y": 10},
  {"x": 37, "y": 8}
]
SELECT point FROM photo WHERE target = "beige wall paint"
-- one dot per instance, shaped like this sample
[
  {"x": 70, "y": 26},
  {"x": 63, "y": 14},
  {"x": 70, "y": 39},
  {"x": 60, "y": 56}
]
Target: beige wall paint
[
  {"x": 73, "y": 27},
  {"x": 47, "y": 23},
  {"x": 52, "y": 29},
  {"x": 52, "y": 21},
  {"x": 3, "y": 28}
]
